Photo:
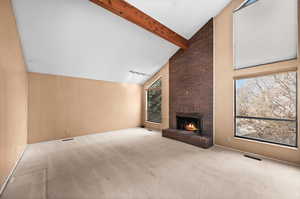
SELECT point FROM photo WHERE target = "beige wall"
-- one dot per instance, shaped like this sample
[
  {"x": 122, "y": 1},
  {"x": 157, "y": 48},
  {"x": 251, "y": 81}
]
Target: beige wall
[
  {"x": 61, "y": 107},
  {"x": 13, "y": 93},
  {"x": 164, "y": 75},
  {"x": 224, "y": 91}
]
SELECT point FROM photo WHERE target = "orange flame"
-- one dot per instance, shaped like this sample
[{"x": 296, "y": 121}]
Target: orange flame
[{"x": 191, "y": 127}]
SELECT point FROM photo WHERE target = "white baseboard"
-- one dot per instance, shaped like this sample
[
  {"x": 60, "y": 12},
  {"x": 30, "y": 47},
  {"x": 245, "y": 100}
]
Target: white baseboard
[{"x": 12, "y": 172}]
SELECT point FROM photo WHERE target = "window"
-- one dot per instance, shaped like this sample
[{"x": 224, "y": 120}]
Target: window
[
  {"x": 249, "y": 2},
  {"x": 245, "y": 4},
  {"x": 266, "y": 108},
  {"x": 154, "y": 102}
]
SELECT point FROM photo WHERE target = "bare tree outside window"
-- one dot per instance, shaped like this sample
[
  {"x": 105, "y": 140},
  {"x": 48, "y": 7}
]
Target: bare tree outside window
[
  {"x": 154, "y": 102},
  {"x": 266, "y": 108}
]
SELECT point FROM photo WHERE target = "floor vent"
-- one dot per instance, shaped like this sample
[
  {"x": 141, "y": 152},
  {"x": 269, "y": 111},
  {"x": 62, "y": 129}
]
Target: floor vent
[
  {"x": 68, "y": 139},
  {"x": 252, "y": 157}
]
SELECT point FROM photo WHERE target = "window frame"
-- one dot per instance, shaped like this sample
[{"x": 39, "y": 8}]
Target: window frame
[
  {"x": 146, "y": 96},
  {"x": 261, "y": 118}
]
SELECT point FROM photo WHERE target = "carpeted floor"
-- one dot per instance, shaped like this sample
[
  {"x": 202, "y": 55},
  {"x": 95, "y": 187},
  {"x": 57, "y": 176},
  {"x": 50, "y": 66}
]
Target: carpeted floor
[{"x": 140, "y": 164}]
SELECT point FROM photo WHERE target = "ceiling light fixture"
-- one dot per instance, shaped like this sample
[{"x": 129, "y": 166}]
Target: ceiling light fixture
[{"x": 139, "y": 73}]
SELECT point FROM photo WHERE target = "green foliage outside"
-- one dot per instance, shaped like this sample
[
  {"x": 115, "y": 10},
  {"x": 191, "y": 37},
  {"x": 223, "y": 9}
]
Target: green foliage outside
[{"x": 154, "y": 100}]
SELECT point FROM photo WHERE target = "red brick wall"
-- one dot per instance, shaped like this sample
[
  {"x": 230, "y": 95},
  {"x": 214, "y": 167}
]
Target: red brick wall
[{"x": 191, "y": 78}]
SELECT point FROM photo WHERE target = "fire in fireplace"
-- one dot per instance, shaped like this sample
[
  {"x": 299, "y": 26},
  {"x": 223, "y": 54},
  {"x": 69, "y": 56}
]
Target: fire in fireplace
[
  {"x": 191, "y": 127},
  {"x": 189, "y": 122}
]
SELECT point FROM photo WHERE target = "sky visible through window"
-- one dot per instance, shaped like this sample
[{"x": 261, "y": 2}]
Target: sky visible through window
[
  {"x": 250, "y": 2},
  {"x": 245, "y": 4},
  {"x": 240, "y": 83}
]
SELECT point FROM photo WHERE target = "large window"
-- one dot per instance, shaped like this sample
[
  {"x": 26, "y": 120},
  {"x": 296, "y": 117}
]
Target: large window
[
  {"x": 266, "y": 108},
  {"x": 154, "y": 102}
]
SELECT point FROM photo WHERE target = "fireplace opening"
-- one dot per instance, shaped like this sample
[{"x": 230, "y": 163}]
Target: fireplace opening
[
  {"x": 191, "y": 127},
  {"x": 189, "y": 122}
]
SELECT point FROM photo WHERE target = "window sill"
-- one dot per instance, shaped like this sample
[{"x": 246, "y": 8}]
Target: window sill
[{"x": 153, "y": 123}]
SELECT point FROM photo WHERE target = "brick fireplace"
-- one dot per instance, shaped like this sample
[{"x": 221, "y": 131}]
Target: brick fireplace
[{"x": 191, "y": 82}]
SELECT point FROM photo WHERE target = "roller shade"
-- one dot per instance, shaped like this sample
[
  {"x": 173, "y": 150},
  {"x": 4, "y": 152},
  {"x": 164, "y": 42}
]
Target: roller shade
[{"x": 265, "y": 31}]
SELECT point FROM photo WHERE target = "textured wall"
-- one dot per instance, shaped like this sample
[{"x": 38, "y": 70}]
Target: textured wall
[
  {"x": 191, "y": 78},
  {"x": 13, "y": 93},
  {"x": 224, "y": 90},
  {"x": 62, "y": 107},
  {"x": 164, "y": 75}
]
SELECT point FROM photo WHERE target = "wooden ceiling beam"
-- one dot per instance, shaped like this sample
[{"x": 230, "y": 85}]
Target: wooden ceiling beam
[{"x": 136, "y": 16}]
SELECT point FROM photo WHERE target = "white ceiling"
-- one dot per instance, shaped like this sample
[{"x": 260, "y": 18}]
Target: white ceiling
[{"x": 80, "y": 39}]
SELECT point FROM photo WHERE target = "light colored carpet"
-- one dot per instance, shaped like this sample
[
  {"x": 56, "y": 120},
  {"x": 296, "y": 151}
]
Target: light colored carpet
[{"x": 139, "y": 164}]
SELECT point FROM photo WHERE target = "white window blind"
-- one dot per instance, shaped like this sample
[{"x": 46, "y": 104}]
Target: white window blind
[{"x": 265, "y": 31}]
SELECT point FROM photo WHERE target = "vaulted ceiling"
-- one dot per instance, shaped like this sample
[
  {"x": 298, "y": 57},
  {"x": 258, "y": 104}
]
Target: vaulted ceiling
[{"x": 80, "y": 39}]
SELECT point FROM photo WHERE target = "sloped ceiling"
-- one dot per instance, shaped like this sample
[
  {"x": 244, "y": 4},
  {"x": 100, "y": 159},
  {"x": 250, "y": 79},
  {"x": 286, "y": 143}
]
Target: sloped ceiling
[{"x": 80, "y": 39}]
